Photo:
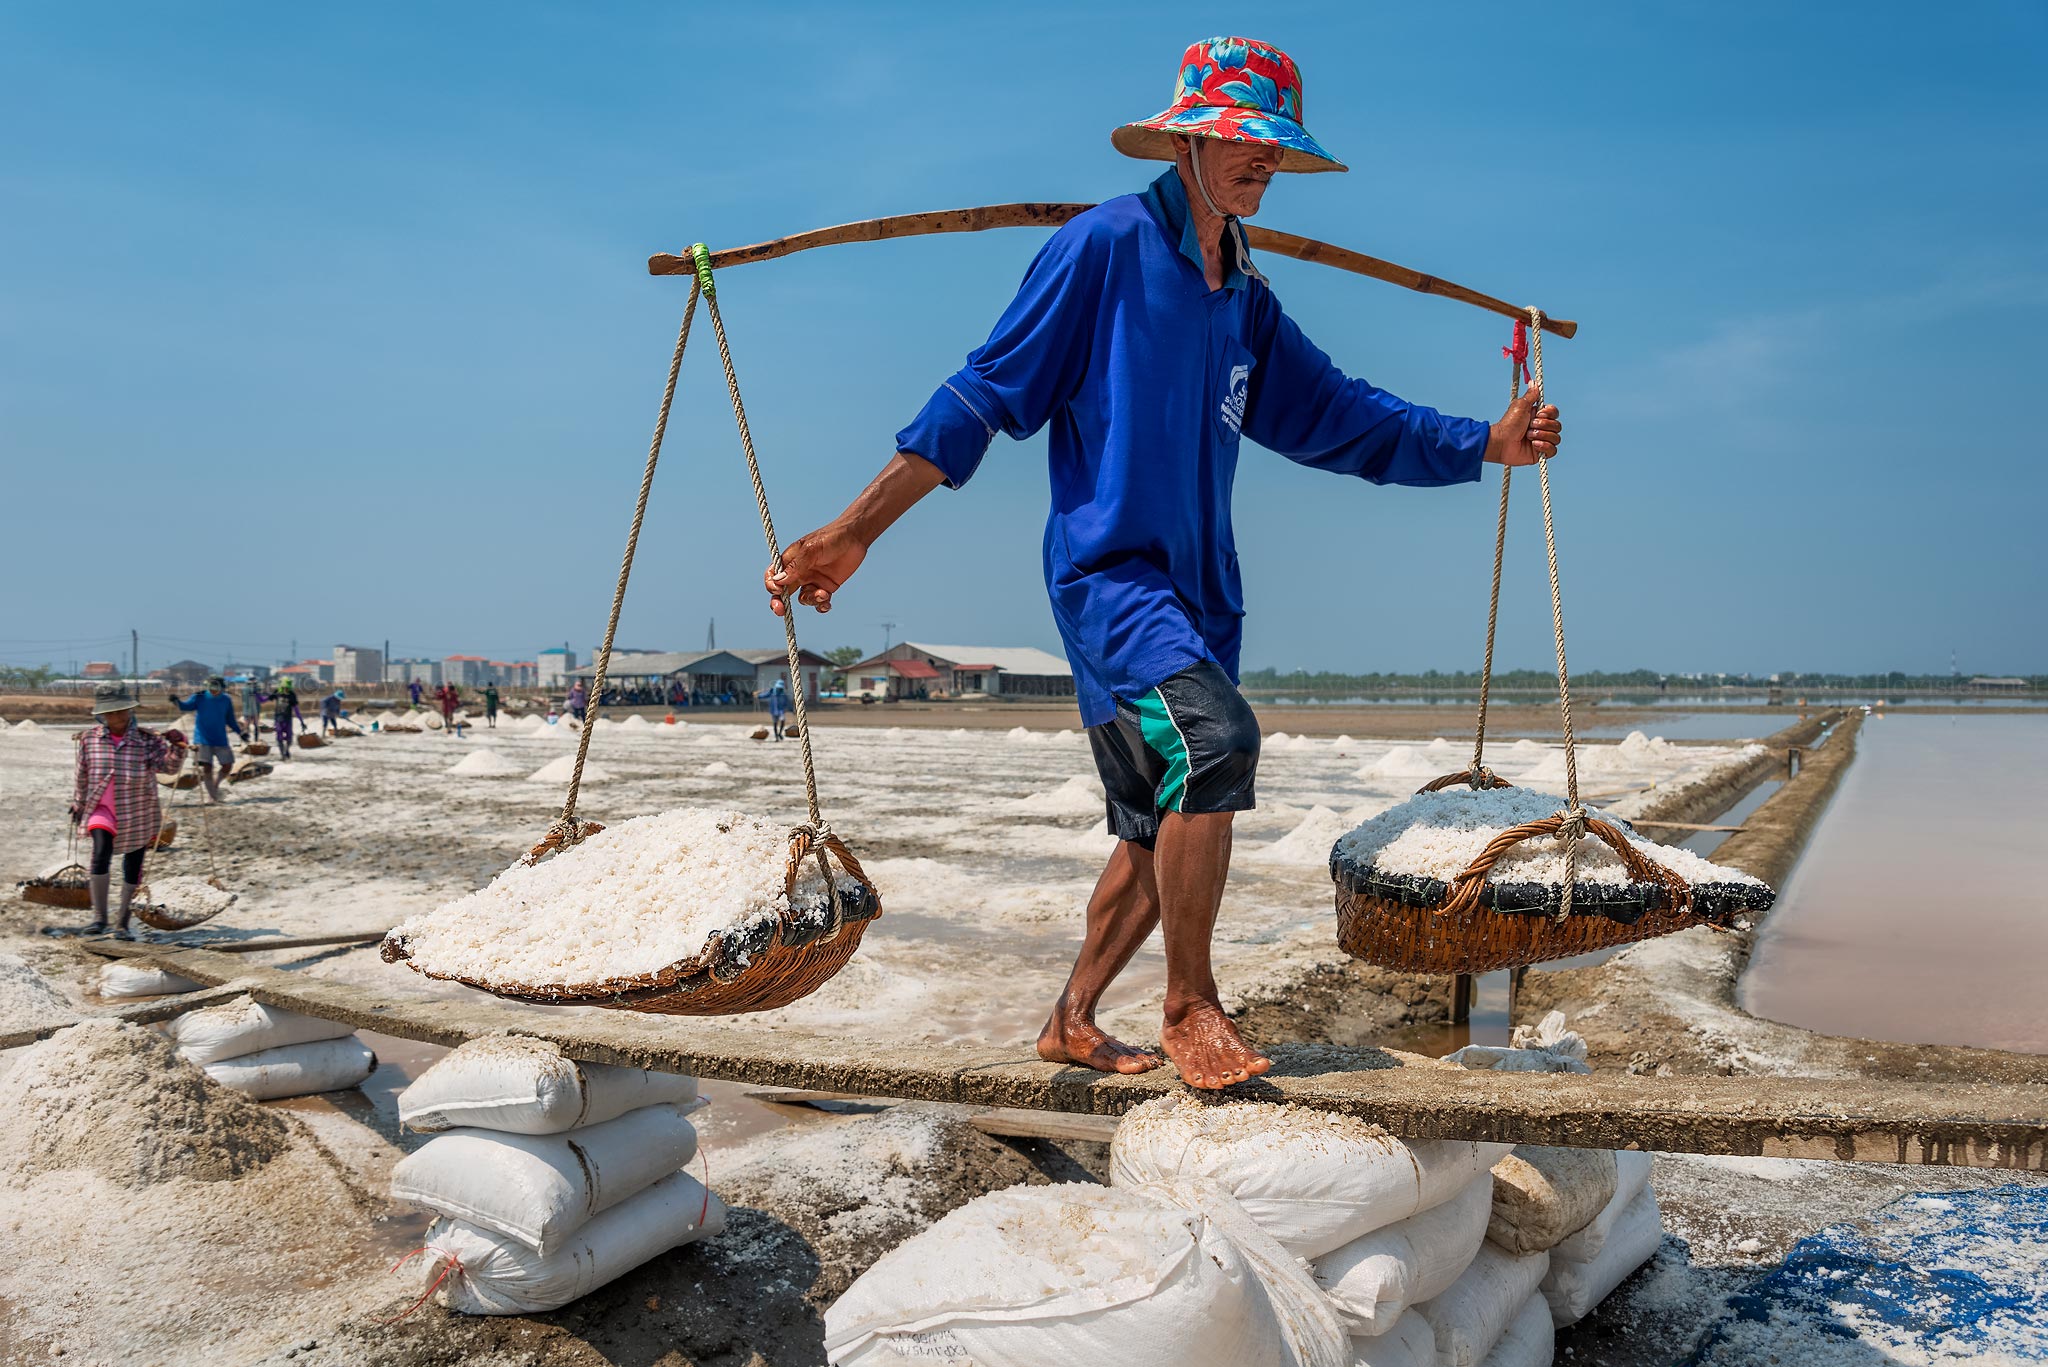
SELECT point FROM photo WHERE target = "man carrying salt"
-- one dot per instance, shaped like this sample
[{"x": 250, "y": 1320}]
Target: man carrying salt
[{"x": 1147, "y": 338}]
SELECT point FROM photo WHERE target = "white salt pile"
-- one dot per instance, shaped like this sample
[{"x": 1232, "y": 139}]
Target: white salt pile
[
  {"x": 636, "y": 721},
  {"x": 190, "y": 896},
  {"x": 117, "y": 1100},
  {"x": 718, "y": 768},
  {"x": 633, "y": 899},
  {"x": 558, "y": 771},
  {"x": 1019, "y": 734},
  {"x": 1308, "y": 844},
  {"x": 1078, "y": 796},
  {"x": 1404, "y": 761},
  {"x": 1438, "y": 835},
  {"x": 27, "y": 1000},
  {"x": 26, "y": 725},
  {"x": 486, "y": 764}
]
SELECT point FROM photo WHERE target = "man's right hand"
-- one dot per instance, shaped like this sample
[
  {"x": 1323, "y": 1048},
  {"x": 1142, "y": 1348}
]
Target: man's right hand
[{"x": 815, "y": 566}]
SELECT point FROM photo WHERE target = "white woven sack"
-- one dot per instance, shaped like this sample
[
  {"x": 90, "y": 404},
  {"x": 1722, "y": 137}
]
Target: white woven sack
[
  {"x": 1373, "y": 1279},
  {"x": 1313, "y": 1180},
  {"x": 141, "y": 980},
  {"x": 327, "y": 1065},
  {"x": 1574, "y": 1288},
  {"x": 1470, "y": 1318},
  {"x": 539, "y": 1189},
  {"x": 247, "y": 1026},
  {"x": 1529, "y": 1341},
  {"x": 1408, "y": 1342},
  {"x": 1631, "y": 1175},
  {"x": 492, "y": 1275},
  {"x": 1161, "y": 1275},
  {"x": 525, "y": 1086},
  {"x": 1541, "y": 1194}
]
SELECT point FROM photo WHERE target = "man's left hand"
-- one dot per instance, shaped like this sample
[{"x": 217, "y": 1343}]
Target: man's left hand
[{"x": 1525, "y": 434}]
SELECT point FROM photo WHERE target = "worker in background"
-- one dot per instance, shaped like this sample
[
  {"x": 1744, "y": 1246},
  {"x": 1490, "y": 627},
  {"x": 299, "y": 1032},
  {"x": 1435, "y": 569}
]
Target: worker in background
[
  {"x": 330, "y": 713},
  {"x": 413, "y": 687},
  {"x": 450, "y": 700},
  {"x": 491, "y": 705},
  {"x": 778, "y": 707},
  {"x": 214, "y": 716},
  {"x": 1146, "y": 339},
  {"x": 114, "y": 800},
  {"x": 578, "y": 701},
  {"x": 252, "y": 704},
  {"x": 286, "y": 703}
]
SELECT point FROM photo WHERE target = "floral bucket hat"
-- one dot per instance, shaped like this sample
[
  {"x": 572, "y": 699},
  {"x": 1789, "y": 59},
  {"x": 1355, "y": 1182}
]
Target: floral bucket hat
[{"x": 1235, "y": 90}]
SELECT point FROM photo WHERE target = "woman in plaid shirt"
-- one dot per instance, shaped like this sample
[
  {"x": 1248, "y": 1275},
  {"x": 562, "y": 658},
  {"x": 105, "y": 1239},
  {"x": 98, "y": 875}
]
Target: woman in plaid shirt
[{"x": 113, "y": 796}]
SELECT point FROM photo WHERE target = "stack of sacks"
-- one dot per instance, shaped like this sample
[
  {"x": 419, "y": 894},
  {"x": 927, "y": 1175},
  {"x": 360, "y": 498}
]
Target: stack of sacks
[
  {"x": 550, "y": 1177},
  {"x": 270, "y": 1053},
  {"x": 1589, "y": 1211},
  {"x": 118, "y": 979}
]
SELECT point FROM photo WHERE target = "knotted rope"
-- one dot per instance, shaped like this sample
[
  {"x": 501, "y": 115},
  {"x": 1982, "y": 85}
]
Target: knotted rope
[
  {"x": 566, "y": 830},
  {"x": 814, "y": 835},
  {"x": 1573, "y": 827}
]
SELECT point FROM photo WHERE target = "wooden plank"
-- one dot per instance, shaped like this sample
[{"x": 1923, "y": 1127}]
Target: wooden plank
[
  {"x": 1004, "y": 1122},
  {"x": 1047, "y": 215},
  {"x": 142, "y": 1013},
  {"x": 1681, "y": 825},
  {"x": 1977, "y": 1124},
  {"x": 257, "y": 946}
]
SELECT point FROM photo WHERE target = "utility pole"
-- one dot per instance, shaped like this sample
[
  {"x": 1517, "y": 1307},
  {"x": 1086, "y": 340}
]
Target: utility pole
[
  {"x": 134, "y": 653},
  {"x": 888, "y": 630},
  {"x": 711, "y": 635}
]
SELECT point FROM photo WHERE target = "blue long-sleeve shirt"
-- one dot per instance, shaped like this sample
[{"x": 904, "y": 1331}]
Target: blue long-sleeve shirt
[
  {"x": 1149, "y": 379},
  {"x": 216, "y": 717}
]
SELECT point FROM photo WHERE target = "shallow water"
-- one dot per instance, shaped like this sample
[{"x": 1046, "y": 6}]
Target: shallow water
[{"x": 1917, "y": 912}]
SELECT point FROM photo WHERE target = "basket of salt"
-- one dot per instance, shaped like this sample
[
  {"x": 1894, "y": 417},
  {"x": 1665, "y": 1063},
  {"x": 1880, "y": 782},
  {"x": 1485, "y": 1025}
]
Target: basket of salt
[
  {"x": 165, "y": 834},
  {"x": 1468, "y": 880},
  {"x": 256, "y": 747},
  {"x": 687, "y": 913},
  {"x": 64, "y": 886},
  {"x": 185, "y": 903},
  {"x": 310, "y": 740},
  {"x": 184, "y": 779}
]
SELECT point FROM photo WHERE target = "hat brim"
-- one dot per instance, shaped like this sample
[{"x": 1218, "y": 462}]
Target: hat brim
[
  {"x": 1152, "y": 139},
  {"x": 103, "y": 709}
]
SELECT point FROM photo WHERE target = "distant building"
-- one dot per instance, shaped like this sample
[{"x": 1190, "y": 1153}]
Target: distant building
[
  {"x": 912, "y": 669},
  {"x": 553, "y": 667},
  {"x": 358, "y": 664},
  {"x": 738, "y": 674},
  {"x": 1986, "y": 684},
  {"x": 427, "y": 672},
  {"x": 310, "y": 671},
  {"x": 239, "y": 671},
  {"x": 100, "y": 669},
  {"x": 465, "y": 671},
  {"x": 770, "y": 665},
  {"x": 183, "y": 674}
]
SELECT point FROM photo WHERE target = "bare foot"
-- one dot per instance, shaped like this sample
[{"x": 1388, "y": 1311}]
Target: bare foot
[
  {"x": 1078, "y": 1040},
  {"x": 1207, "y": 1049}
]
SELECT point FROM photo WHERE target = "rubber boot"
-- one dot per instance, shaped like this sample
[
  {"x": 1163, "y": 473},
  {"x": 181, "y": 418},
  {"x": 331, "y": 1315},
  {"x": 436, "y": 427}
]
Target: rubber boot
[
  {"x": 98, "y": 883},
  {"x": 121, "y": 931}
]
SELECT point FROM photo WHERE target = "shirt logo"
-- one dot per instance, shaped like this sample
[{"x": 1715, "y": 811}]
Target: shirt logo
[{"x": 1234, "y": 397}]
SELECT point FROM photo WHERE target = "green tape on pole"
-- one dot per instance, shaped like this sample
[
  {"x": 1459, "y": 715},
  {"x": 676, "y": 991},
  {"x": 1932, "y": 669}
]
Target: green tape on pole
[{"x": 701, "y": 254}]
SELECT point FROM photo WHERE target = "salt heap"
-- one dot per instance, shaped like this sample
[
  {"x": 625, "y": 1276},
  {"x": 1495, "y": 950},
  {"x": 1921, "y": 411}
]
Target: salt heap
[
  {"x": 1080, "y": 795},
  {"x": 1438, "y": 835},
  {"x": 1403, "y": 761},
  {"x": 1307, "y": 845},
  {"x": 26, "y": 726},
  {"x": 486, "y": 764},
  {"x": 188, "y": 896},
  {"x": 115, "y": 1099},
  {"x": 636, "y": 898},
  {"x": 27, "y": 1001},
  {"x": 559, "y": 770}
]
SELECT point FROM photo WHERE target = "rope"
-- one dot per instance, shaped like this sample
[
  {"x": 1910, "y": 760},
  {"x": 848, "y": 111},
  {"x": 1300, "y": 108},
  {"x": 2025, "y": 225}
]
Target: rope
[
  {"x": 449, "y": 1263},
  {"x": 1515, "y": 355},
  {"x": 566, "y": 829},
  {"x": 815, "y": 832},
  {"x": 1573, "y": 829}
]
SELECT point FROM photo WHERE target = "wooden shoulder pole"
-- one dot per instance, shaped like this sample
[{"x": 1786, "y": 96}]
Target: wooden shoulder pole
[{"x": 989, "y": 216}]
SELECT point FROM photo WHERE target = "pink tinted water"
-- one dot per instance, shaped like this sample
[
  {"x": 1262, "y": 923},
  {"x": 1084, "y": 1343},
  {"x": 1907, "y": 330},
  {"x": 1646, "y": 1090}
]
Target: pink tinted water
[{"x": 1919, "y": 912}]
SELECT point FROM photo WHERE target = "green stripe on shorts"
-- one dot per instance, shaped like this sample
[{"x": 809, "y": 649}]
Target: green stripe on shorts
[{"x": 1163, "y": 736}]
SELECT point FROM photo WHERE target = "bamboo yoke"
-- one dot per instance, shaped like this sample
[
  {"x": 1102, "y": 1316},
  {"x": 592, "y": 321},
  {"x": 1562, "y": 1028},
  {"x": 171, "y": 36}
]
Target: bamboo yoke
[{"x": 815, "y": 836}]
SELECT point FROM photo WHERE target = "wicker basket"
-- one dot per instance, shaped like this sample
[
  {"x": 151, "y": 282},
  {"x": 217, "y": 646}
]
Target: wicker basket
[
  {"x": 165, "y": 834},
  {"x": 256, "y": 747},
  {"x": 1424, "y": 925},
  {"x": 753, "y": 968},
  {"x": 182, "y": 780},
  {"x": 66, "y": 888},
  {"x": 310, "y": 741},
  {"x": 241, "y": 774},
  {"x": 159, "y": 917}
]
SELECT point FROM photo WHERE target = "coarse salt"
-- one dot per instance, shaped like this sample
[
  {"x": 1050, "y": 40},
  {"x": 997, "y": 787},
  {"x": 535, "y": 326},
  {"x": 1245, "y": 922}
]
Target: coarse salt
[{"x": 633, "y": 899}]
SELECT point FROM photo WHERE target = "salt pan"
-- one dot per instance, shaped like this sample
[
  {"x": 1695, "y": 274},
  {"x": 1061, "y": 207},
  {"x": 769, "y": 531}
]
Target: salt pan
[
  {"x": 1438, "y": 835},
  {"x": 635, "y": 898}
]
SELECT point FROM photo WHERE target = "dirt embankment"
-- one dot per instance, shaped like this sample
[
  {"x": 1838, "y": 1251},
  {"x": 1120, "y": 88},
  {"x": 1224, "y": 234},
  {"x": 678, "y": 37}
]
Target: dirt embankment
[{"x": 1669, "y": 1006}]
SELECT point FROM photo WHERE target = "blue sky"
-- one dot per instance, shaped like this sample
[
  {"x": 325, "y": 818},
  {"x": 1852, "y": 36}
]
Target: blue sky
[{"x": 332, "y": 324}]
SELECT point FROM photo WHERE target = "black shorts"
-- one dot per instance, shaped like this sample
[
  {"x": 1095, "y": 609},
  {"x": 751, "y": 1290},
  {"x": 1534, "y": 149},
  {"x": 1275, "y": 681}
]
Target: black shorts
[{"x": 1190, "y": 745}]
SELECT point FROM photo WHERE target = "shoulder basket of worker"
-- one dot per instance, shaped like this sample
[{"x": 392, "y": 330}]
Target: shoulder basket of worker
[
  {"x": 60, "y": 887},
  {"x": 1475, "y": 921},
  {"x": 761, "y": 964}
]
